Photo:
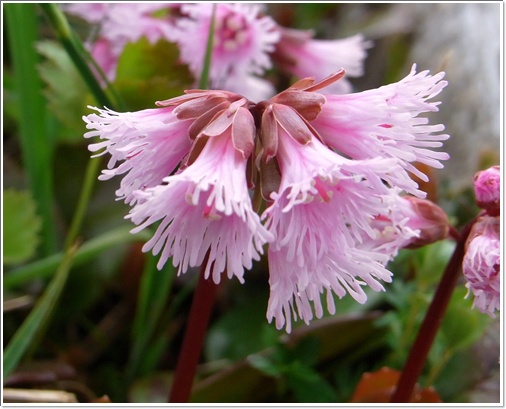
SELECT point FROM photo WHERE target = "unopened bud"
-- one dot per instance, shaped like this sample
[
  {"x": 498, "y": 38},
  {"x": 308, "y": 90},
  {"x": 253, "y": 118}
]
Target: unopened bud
[
  {"x": 487, "y": 188},
  {"x": 429, "y": 219}
]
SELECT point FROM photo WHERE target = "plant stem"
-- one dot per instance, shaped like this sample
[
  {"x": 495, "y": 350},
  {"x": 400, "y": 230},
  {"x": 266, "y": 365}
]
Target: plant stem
[
  {"x": 91, "y": 173},
  {"x": 431, "y": 323},
  {"x": 204, "y": 76},
  {"x": 193, "y": 340}
]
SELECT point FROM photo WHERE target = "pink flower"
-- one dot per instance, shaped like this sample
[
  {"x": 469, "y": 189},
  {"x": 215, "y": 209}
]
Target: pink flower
[
  {"x": 334, "y": 216},
  {"x": 385, "y": 122},
  {"x": 206, "y": 207},
  {"x": 481, "y": 265},
  {"x": 242, "y": 42},
  {"x": 105, "y": 57},
  {"x": 301, "y": 55},
  {"x": 487, "y": 188},
  {"x": 409, "y": 222},
  {"x": 337, "y": 220},
  {"x": 323, "y": 206}
]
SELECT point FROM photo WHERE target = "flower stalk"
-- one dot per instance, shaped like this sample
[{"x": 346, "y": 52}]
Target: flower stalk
[{"x": 193, "y": 340}]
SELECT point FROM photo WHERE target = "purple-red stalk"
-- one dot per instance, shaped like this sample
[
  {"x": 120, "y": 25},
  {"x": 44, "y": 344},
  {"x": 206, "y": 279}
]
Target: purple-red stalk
[
  {"x": 193, "y": 340},
  {"x": 432, "y": 321}
]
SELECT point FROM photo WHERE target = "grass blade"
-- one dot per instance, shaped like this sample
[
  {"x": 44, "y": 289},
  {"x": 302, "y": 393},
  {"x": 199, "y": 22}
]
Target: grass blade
[
  {"x": 89, "y": 250},
  {"x": 34, "y": 324},
  {"x": 77, "y": 53},
  {"x": 36, "y": 144}
]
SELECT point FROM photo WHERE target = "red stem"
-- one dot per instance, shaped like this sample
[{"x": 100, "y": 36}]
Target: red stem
[
  {"x": 432, "y": 321},
  {"x": 193, "y": 340}
]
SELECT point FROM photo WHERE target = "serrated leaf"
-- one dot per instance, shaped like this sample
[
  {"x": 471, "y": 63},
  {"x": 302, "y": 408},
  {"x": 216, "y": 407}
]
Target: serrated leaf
[
  {"x": 21, "y": 227},
  {"x": 147, "y": 73},
  {"x": 65, "y": 90}
]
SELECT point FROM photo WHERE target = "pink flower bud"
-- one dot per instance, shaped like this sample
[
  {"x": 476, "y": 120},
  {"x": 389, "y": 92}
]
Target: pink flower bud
[
  {"x": 481, "y": 264},
  {"x": 429, "y": 219},
  {"x": 487, "y": 188}
]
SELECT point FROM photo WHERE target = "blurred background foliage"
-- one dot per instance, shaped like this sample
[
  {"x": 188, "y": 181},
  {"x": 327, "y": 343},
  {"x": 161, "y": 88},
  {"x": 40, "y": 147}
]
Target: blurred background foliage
[{"x": 117, "y": 328}]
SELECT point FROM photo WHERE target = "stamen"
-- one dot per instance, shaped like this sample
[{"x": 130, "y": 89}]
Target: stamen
[
  {"x": 320, "y": 187},
  {"x": 229, "y": 45},
  {"x": 210, "y": 213},
  {"x": 233, "y": 23},
  {"x": 241, "y": 37}
]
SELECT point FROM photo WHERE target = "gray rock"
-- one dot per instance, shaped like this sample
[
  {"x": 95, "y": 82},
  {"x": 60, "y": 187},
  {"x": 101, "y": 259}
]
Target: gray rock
[{"x": 463, "y": 39}]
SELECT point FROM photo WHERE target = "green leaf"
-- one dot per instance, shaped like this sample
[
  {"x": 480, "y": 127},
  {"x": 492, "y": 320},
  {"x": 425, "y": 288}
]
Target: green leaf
[
  {"x": 431, "y": 260},
  {"x": 21, "y": 227},
  {"x": 462, "y": 325},
  {"x": 240, "y": 332},
  {"x": 264, "y": 364},
  {"x": 65, "y": 90},
  {"x": 147, "y": 73},
  {"x": 238, "y": 383},
  {"x": 251, "y": 379},
  {"x": 307, "y": 351},
  {"x": 307, "y": 385}
]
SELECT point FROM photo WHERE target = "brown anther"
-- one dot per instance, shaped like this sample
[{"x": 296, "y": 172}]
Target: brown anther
[{"x": 269, "y": 135}]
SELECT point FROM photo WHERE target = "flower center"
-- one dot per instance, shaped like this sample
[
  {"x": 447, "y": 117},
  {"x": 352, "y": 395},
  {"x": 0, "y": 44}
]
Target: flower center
[{"x": 231, "y": 33}]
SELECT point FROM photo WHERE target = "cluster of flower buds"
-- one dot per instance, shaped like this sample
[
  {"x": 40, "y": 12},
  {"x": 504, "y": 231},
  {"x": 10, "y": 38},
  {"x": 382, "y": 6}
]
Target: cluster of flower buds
[
  {"x": 482, "y": 260},
  {"x": 321, "y": 179},
  {"x": 245, "y": 44}
]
